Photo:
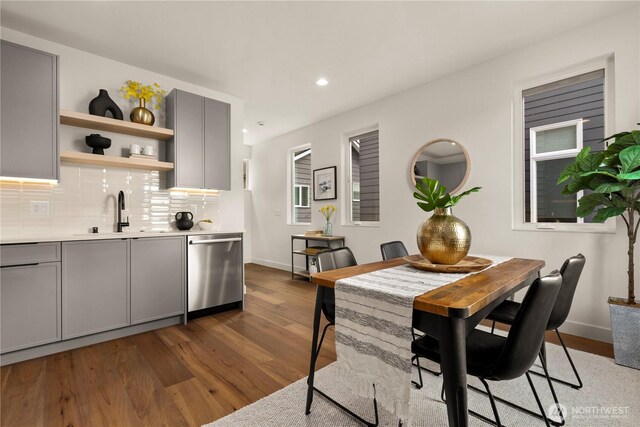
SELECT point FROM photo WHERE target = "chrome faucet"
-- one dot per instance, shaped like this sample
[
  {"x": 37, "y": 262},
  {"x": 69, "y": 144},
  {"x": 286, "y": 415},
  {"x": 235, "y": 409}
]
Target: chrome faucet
[{"x": 121, "y": 224}]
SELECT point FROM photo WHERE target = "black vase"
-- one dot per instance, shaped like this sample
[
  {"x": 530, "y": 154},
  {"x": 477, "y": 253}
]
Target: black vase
[
  {"x": 98, "y": 143},
  {"x": 102, "y": 103}
]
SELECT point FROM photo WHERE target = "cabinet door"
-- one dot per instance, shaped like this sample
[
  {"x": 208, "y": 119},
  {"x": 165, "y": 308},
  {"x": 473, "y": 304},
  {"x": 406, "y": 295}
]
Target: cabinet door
[
  {"x": 188, "y": 142},
  {"x": 216, "y": 145},
  {"x": 157, "y": 278},
  {"x": 95, "y": 286},
  {"x": 29, "y": 103},
  {"x": 30, "y": 306}
]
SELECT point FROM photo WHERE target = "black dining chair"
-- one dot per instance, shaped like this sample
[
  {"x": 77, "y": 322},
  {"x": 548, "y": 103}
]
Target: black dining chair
[
  {"x": 391, "y": 250},
  {"x": 570, "y": 272},
  {"x": 496, "y": 358},
  {"x": 331, "y": 260}
]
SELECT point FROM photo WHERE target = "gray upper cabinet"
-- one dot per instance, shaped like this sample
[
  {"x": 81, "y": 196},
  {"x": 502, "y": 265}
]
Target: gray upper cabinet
[
  {"x": 200, "y": 148},
  {"x": 30, "y": 113},
  {"x": 217, "y": 149},
  {"x": 95, "y": 286},
  {"x": 157, "y": 278}
]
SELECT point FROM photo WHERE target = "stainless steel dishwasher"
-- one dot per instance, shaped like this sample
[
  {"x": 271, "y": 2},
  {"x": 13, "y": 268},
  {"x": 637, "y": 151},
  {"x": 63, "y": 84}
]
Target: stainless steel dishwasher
[{"x": 215, "y": 273}]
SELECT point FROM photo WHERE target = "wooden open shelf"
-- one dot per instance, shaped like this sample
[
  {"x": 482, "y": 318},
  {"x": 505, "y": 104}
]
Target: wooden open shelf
[
  {"x": 82, "y": 120},
  {"x": 122, "y": 162}
]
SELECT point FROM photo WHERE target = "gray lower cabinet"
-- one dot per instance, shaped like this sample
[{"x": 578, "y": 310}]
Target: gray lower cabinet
[
  {"x": 95, "y": 286},
  {"x": 157, "y": 278},
  {"x": 200, "y": 148},
  {"x": 30, "y": 113},
  {"x": 30, "y": 305}
]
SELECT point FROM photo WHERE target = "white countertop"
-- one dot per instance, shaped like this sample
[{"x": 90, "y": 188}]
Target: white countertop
[{"x": 66, "y": 237}]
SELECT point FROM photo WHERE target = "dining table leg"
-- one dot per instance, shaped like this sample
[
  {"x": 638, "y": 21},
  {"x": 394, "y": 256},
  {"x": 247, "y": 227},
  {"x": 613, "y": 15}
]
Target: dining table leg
[
  {"x": 314, "y": 347},
  {"x": 454, "y": 369}
]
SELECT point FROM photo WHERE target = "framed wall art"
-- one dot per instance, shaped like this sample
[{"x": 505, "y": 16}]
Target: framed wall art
[{"x": 324, "y": 184}]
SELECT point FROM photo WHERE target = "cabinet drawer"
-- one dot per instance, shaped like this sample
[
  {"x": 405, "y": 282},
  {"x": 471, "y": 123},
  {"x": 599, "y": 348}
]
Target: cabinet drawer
[{"x": 30, "y": 253}]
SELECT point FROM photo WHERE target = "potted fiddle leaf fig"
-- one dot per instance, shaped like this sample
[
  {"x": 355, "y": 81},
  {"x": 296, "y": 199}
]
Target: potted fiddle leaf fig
[{"x": 611, "y": 182}]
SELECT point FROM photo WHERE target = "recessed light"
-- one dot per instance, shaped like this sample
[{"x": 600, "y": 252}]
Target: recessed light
[
  {"x": 244, "y": 131},
  {"x": 453, "y": 143},
  {"x": 260, "y": 123},
  {"x": 322, "y": 82}
]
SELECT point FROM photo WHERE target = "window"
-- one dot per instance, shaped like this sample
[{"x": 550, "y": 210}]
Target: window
[
  {"x": 301, "y": 185},
  {"x": 301, "y": 196},
  {"x": 245, "y": 174},
  {"x": 364, "y": 178},
  {"x": 559, "y": 119}
]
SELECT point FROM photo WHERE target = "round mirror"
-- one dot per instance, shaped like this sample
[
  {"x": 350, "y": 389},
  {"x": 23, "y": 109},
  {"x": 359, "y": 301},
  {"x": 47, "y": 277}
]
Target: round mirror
[{"x": 443, "y": 159}]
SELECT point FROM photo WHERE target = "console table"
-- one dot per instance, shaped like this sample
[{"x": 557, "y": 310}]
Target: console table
[{"x": 327, "y": 242}]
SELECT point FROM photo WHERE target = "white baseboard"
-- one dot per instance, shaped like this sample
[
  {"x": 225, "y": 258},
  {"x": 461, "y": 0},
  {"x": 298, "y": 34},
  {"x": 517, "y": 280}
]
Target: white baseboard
[
  {"x": 593, "y": 332},
  {"x": 272, "y": 264}
]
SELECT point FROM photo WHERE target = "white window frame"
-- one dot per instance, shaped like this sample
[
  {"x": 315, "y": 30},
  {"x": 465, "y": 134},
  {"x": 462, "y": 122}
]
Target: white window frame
[
  {"x": 291, "y": 173},
  {"x": 536, "y": 157},
  {"x": 246, "y": 164},
  {"x": 353, "y": 190},
  {"x": 518, "y": 195},
  {"x": 298, "y": 188},
  {"x": 346, "y": 215}
]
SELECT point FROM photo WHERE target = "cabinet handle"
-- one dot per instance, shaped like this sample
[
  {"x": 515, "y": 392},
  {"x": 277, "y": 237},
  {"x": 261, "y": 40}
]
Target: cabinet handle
[
  {"x": 21, "y": 265},
  {"x": 208, "y": 242}
]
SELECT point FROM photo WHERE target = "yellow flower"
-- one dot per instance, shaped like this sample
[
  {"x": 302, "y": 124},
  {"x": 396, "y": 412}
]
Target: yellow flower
[{"x": 137, "y": 90}]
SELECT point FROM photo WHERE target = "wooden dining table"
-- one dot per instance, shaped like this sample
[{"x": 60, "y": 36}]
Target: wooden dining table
[{"x": 448, "y": 313}]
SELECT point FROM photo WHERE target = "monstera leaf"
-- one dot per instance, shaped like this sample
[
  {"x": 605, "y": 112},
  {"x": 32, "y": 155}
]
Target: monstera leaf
[{"x": 432, "y": 195}]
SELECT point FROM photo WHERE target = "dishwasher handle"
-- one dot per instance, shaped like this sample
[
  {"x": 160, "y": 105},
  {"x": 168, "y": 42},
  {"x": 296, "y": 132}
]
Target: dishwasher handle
[{"x": 213, "y": 241}]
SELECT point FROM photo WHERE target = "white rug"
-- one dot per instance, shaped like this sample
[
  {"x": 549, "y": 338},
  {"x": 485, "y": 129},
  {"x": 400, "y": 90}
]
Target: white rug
[{"x": 610, "y": 397}]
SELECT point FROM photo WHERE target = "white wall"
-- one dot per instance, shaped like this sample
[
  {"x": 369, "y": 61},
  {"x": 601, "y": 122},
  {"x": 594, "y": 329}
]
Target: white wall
[
  {"x": 82, "y": 74},
  {"x": 474, "y": 107}
]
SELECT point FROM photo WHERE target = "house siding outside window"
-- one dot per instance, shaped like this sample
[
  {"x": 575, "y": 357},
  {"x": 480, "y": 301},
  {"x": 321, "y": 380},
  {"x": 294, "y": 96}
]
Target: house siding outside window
[
  {"x": 559, "y": 118},
  {"x": 302, "y": 186},
  {"x": 365, "y": 177}
]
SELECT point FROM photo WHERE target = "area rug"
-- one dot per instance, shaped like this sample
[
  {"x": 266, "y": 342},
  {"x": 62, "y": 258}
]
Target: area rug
[{"x": 610, "y": 397}]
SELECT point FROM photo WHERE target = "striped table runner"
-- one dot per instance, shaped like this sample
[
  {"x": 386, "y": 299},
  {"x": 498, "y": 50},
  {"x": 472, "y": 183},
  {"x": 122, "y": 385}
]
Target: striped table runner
[{"x": 373, "y": 330}]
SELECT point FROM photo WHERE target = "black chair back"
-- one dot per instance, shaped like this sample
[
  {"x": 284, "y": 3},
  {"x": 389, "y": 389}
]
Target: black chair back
[
  {"x": 331, "y": 260},
  {"x": 570, "y": 272},
  {"x": 527, "y": 331},
  {"x": 391, "y": 250}
]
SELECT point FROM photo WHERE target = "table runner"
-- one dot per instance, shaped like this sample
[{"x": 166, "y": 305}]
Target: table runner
[{"x": 374, "y": 330}]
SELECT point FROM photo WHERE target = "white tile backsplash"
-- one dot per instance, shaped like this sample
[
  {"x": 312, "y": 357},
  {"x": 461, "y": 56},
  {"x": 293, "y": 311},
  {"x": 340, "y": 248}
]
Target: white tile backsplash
[{"x": 86, "y": 197}]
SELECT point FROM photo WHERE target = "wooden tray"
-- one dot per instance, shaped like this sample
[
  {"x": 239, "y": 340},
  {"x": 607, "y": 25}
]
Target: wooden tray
[{"x": 467, "y": 265}]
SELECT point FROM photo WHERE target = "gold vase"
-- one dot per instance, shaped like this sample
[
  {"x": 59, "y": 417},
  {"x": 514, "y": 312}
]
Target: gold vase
[
  {"x": 142, "y": 115},
  {"x": 443, "y": 238}
]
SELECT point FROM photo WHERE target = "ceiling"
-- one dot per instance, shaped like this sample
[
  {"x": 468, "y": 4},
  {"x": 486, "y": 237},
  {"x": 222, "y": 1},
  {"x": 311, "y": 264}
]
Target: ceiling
[{"x": 271, "y": 53}]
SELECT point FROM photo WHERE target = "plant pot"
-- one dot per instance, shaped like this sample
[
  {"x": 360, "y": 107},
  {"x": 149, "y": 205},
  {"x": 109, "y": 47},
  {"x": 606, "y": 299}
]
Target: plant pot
[
  {"x": 444, "y": 238},
  {"x": 625, "y": 325}
]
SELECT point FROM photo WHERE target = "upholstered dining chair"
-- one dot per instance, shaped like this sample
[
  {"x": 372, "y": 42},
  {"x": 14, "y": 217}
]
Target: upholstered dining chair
[
  {"x": 391, "y": 250},
  {"x": 495, "y": 358},
  {"x": 331, "y": 260},
  {"x": 570, "y": 272}
]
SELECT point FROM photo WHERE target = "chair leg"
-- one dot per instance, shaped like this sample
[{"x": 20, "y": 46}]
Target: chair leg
[
  {"x": 535, "y": 394},
  {"x": 420, "y": 384},
  {"x": 553, "y": 390},
  {"x": 575, "y": 371},
  {"x": 320, "y": 343},
  {"x": 573, "y": 366},
  {"x": 493, "y": 402},
  {"x": 351, "y": 413},
  {"x": 493, "y": 327}
]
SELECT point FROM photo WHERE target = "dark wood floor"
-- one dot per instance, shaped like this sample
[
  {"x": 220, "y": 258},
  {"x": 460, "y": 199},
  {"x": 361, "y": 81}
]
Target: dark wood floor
[{"x": 181, "y": 375}]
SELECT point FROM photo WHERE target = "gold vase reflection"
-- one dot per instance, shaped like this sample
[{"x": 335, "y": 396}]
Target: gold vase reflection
[
  {"x": 142, "y": 115},
  {"x": 444, "y": 238}
]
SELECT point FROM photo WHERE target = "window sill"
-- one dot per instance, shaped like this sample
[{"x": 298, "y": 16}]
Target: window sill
[
  {"x": 362, "y": 224},
  {"x": 608, "y": 227},
  {"x": 299, "y": 223}
]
